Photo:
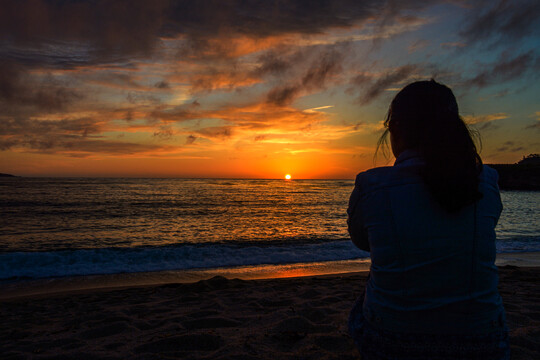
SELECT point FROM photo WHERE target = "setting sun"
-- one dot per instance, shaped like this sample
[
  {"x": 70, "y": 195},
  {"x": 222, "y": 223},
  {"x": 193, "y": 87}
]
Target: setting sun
[{"x": 288, "y": 177}]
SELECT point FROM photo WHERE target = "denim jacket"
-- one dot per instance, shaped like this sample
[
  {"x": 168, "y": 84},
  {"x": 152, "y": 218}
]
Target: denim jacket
[{"x": 431, "y": 271}]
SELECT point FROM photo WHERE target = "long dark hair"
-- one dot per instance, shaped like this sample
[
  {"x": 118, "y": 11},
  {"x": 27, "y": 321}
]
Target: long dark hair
[{"x": 424, "y": 116}]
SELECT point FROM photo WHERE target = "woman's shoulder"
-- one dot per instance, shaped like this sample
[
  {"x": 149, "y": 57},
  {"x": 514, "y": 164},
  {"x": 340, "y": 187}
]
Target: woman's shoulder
[
  {"x": 385, "y": 176},
  {"x": 373, "y": 174},
  {"x": 382, "y": 173},
  {"x": 489, "y": 176},
  {"x": 406, "y": 167},
  {"x": 489, "y": 173}
]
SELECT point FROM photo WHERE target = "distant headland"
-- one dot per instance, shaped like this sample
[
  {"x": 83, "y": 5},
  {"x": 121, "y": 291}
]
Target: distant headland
[
  {"x": 6, "y": 175},
  {"x": 523, "y": 175}
]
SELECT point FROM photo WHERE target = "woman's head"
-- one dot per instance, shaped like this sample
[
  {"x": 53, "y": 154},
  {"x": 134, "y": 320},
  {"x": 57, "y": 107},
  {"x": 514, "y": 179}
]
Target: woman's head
[
  {"x": 419, "y": 113},
  {"x": 424, "y": 117}
]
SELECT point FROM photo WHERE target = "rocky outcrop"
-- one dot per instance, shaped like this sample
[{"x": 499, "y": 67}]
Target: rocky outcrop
[{"x": 525, "y": 176}]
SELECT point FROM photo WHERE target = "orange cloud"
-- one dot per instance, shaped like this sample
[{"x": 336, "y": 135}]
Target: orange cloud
[{"x": 477, "y": 119}]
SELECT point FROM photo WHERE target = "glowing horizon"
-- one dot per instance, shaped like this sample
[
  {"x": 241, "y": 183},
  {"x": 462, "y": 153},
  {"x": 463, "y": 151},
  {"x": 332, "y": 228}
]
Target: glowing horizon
[{"x": 187, "y": 90}]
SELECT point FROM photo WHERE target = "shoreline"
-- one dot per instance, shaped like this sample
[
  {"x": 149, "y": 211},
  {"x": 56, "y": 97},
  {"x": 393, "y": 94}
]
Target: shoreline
[{"x": 81, "y": 284}]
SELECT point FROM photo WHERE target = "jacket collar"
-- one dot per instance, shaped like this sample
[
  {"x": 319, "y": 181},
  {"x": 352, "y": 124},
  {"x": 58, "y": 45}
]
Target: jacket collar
[{"x": 408, "y": 156}]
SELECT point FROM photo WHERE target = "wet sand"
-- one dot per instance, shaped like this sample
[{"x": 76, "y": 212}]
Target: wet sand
[{"x": 293, "y": 318}]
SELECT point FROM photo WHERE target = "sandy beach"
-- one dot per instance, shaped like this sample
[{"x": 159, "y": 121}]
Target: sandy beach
[{"x": 292, "y": 318}]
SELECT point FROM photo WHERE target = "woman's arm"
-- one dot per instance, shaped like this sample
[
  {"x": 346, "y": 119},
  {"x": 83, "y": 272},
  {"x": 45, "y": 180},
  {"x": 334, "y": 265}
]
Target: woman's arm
[{"x": 357, "y": 231}]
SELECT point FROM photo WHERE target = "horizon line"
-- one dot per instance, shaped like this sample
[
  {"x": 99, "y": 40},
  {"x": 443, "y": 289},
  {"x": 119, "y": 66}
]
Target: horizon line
[{"x": 161, "y": 177}]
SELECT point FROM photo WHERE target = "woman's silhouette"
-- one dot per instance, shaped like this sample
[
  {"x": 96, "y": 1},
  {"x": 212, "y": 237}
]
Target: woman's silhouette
[{"x": 428, "y": 223}]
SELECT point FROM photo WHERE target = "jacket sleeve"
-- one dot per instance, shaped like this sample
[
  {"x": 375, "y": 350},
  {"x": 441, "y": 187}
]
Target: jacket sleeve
[
  {"x": 357, "y": 230},
  {"x": 499, "y": 202}
]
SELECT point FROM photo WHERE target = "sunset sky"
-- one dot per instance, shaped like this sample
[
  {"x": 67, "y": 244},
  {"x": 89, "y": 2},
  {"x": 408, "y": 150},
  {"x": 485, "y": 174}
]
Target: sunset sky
[{"x": 252, "y": 89}]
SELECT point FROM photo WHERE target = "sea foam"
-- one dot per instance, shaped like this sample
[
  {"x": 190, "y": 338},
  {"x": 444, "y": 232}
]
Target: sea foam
[{"x": 18, "y": 265}]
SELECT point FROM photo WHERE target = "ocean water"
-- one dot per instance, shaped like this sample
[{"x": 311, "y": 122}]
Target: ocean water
[{"x": 54, "y": 227}]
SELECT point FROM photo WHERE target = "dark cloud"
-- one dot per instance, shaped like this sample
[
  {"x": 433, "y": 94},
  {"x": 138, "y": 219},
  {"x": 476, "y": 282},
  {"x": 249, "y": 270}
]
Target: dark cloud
[
  {"x": 507, "y": 146},
  {"x": 118, "y": 80},
  {"x": 141, "y": 97},
  {"x": 535, "y": 125},
  {"x": 217, "y": 132},
  {"x": 6, "y": 144},
  {"x": 506, "y": 69},
  {"x": 259, "y": 19},
  {"x": 180, "y": 113},
  {"x": 493, "y": 21},
  {"x": 78, "y": 137},
  {"x": 162, "y": 85},
  {"x": 452, "y": 45},
  {"x": 54, "y": 55},
  {"x": 52, "y": 135},
  {"x": 325, "y": 65},
  {"x": 281, "y": 60},
  {"x": 487, "y": 126},
  {"x": 358, "y": 125},
  {"x": 501, "y": 94},
  {"x": 220, "y": 78},
  {"x": 164, "y": 132},
  {"x": 40, "y": 36},
  {"x": 271, "y": 62},
  {"x": 203, "y": 49},
  {"x": 282, "y": 96},
  {"x": 28, "y": 127},
  {"x": 190, "y": 139},
  {"x": 107, "y": 29},
  {"x": 110, "y": 147},
  {"x": 73, "y": 32},
  {"x": 18, "y": 89},
  {"x": 328, "y": 64},
  {"x": 370, "y": 89},
  {"x": 418, "y": 45},
  {"x": 510, "y": 146}
]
